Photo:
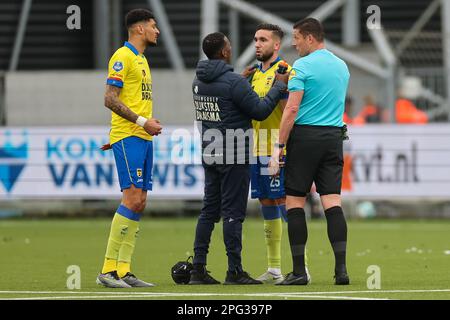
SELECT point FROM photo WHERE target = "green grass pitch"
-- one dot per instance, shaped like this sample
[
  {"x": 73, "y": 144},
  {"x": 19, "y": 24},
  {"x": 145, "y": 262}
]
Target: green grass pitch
[{"x": 413, "y": 256}]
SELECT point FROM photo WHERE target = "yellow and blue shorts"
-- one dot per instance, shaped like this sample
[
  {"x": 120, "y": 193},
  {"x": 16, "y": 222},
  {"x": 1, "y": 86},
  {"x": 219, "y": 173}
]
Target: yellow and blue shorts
[
  {"x": 134, "y": 162},
  {"x": 263, "y": 185}
]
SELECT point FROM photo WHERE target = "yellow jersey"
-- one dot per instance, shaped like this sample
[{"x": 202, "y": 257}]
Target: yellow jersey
[
  {"x": 129, "y": 70},
  {"x": 265, "y": 133}
]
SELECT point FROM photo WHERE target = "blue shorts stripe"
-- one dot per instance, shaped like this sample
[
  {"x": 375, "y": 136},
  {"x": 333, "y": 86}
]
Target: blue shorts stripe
[
  {"x": 127, "y": 213},
  {"x": 126, "y": 161},
  {"x": 270, "y": 212}
]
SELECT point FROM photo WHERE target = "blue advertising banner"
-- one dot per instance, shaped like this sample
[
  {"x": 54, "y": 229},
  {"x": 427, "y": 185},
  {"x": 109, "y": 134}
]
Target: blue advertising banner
[{"x": 380, "y": 161}]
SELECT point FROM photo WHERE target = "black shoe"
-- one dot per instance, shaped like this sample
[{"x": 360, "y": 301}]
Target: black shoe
[
  {"x": 240, "y": 278},
  {"x": 202, "y": 277},
  {"x": 340, "y": 275},
  {"x": 341, "y": 279},
  {"x": 292, "y": 279}
]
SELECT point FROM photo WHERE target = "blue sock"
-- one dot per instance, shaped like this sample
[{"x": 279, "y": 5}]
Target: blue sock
[
  {"x": 270, "y": 212},
  {"x": 283, "y": 212}
]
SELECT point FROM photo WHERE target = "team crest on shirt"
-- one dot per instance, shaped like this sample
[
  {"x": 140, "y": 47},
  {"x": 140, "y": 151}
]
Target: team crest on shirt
[
  {"x": 269, "y": 80},
  {"x": 118, "y": 65},
  {"x": 196, "y": 89},
  {"x": 143, "y": 73},
  {"x": 139, "y": 173}
]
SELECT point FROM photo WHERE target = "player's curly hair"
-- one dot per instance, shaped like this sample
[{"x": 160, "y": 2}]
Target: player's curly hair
[
  {"x": 212, "y": 44},
  {"x": 138, "y": 15},
  {"x": 271, "y": 27}
]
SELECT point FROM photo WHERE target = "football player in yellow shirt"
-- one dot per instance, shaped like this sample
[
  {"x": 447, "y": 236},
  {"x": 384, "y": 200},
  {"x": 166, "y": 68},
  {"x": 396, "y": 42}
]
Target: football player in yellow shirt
[
  {"x": 129, "y": 97},
  {"x": 268, "y": 189}
]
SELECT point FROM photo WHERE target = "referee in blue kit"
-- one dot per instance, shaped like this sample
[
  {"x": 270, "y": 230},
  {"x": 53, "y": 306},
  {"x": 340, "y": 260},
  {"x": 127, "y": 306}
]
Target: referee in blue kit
[{"x": 312, "y": 130}]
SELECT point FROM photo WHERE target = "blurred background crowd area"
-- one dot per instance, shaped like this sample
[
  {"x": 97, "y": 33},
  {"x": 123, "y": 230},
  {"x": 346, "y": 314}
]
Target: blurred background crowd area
[{"x": 399, "y": 70}]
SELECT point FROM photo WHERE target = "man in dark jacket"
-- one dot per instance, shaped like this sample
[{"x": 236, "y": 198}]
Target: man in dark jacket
[{"x": 225, "y": 104}]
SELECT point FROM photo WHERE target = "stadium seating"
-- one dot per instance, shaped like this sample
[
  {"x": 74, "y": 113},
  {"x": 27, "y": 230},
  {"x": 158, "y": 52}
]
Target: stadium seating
[{"x": 47, "y": 44}]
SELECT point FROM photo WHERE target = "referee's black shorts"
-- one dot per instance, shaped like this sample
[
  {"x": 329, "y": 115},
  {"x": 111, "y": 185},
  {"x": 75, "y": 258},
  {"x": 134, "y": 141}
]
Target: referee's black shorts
[{"x": 314, "y": 154}]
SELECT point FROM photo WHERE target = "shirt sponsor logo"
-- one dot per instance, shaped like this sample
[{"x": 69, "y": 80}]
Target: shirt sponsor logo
[
  {"x": 206, "y": 108},
  {"x": 146, "y": 90}
]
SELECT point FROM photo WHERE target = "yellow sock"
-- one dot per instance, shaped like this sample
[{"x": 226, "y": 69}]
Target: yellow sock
[
  {"x": 306, "y": 257},
  {"x": 109, "y": 265},
  {"x": 119, "y": 227},
  {"x": 127, "y": 248},
  {"x": 126, "y": 251},
  {"x": 123, "y": 268},
  {"x": 273, "y": 230},
  {"x": 122, "y": 237}
]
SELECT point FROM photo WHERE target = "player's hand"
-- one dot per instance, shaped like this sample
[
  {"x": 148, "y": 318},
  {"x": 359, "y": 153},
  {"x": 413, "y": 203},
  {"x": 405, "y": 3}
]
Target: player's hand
[
  {"x": 248, "y": 71},
  {"x": 282, "y": 77},
  {"x": 153, "y": 127},
  {"x": 276, "y": 161}
]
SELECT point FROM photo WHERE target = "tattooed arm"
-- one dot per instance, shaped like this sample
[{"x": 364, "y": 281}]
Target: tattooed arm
[{"x": 113, "y": 103}]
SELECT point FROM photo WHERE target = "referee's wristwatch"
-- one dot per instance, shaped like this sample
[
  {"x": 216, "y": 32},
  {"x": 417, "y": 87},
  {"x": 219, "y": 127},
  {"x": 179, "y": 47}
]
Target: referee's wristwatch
[{"x": 279, "y": 145}]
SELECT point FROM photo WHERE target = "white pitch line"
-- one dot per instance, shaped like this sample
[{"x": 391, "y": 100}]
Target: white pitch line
[
  {"x": 224, "y": 294},
  {"x": 316, "y": 296},
  {"x": 148, "y": 296},
  {"x": 77, "y": 292},
  {"x": 383, "y": 291},
  {"x": 78, "y": 297}
]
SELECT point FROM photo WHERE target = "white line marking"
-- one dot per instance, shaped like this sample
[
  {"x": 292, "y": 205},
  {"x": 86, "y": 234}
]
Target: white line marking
[
  {"x": 77, "y": 297},
  {"x": 316, "y": 296},
  {"x": 187, "y": 295},
  {"x": 223, "y": 294},
  {"x": 121, "y": 294}
]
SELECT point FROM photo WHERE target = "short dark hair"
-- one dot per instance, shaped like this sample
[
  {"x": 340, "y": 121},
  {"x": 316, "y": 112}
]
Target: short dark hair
[
  {"x": 138, "y": 15},
  {"x": 271, "y": 27},
  {"x": 310, "y": 26},
  {"x": 212, "y": 44}
]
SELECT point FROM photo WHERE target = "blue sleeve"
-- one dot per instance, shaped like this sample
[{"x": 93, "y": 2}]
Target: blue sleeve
[
  {"x": 298, "y": 77},
  {"x": 114, "y": 82}
]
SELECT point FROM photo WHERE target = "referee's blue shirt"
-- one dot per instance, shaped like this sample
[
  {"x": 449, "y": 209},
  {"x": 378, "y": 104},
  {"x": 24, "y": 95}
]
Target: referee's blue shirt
[{"x": 324, "y": 79}]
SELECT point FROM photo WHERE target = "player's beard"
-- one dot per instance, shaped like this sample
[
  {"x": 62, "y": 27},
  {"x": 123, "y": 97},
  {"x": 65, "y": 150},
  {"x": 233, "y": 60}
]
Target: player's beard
[
  {"x": 149, "y": 38},
  {"x": 152, "y": 44},
  {"x": 264, "y": 57}
]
